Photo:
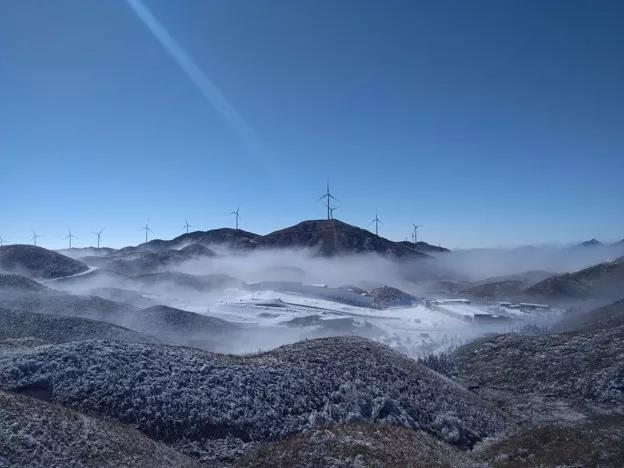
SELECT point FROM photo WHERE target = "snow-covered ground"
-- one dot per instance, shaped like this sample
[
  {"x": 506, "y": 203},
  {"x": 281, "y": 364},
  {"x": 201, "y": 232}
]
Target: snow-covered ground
[{"x": 415, "y": 330}]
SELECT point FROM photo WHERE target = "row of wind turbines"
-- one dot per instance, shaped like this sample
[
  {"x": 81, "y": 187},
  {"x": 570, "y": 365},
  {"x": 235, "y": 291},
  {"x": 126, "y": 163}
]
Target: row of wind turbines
[
  {"x": 328, "y": 197},
  {"x": 69, "y": 237}
]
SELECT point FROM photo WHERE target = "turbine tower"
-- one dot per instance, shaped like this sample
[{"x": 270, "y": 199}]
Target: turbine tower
[
  {"x": 70, "y": 236},
  {"x": 99, "y": 235},
  {"x": 237, "y": 214},
  {"x": 34, "y": 238},
  {"x": 329, "y": 198},
  {"x": 331, "y": 212},
  {"x": 415, "y": 235},
  {"x": 377, "y": 222},
  {"x": 2, "y": 241},
  {"x": 147, "y": 229},
  {"x": 187, "y": 225}
]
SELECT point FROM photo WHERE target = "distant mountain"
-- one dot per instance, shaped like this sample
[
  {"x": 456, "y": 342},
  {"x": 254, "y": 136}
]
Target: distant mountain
[
  {"x": 330, "y": 237},
  {"x": 590, "y": 243},
  {"x": 37, "y": 262},
  {"x": 604, "y": 281},
  {"x": 333, "y": 237},
  {"x": 424, "y": 247}
]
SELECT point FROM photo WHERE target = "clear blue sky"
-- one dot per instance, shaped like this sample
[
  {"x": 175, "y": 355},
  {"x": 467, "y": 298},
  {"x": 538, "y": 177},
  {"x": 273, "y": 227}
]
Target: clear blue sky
[{"x": 489, "y": 122}]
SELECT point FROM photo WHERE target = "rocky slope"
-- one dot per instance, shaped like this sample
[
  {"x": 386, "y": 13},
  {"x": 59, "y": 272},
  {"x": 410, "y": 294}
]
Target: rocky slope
[
  {"x": 37, "y": 262},
  {"x": 36, "y": 434},
  {"x": 218, "y": 406}
]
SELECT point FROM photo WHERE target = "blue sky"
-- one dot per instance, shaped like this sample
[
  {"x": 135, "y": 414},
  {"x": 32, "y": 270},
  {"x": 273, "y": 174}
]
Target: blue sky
[{"x": 491, "y": 123}]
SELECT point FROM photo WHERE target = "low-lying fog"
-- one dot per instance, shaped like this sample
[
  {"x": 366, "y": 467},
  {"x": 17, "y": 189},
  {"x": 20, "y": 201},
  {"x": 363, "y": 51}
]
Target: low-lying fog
[{"x": 277, "y": 296}]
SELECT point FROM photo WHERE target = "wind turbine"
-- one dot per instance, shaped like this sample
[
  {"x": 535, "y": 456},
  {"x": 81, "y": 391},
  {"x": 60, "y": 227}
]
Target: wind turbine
[
  {"x": 237, "y": 214},
  {"x": 146, "y": 229},
  {"x": 329, "y": 197},
  {"x": 187, "y": 225},
  {"x": 99, "y": 235},
  {"x": 70, "y": 236},
  {"x": 34, "y": 238},
  {"x": 331, "y": 212},
  {"x": 377, "y": 221},
  {"x": 415, "y": 235},
  {"x": 2, "y": 241}
]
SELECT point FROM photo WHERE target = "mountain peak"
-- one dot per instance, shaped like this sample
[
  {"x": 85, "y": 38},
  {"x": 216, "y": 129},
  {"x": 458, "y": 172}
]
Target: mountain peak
[
  {"x": 335, "y": 237},
  {"x": 590, "y": 243}
]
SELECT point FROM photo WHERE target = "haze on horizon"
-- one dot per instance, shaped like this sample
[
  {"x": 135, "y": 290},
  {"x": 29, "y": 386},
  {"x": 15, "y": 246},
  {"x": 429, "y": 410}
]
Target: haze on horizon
[{"x": 495, "y": 125}]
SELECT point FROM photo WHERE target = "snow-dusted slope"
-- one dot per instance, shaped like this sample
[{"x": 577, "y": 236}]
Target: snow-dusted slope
[
  {"x": 38, "y": 434},
  {"x": 203, "y": 402}
]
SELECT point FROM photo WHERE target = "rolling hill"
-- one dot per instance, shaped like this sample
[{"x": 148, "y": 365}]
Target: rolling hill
[
  {"x": 59, "y": 329},
  {"x": 609, "y": 316},
  {"x": 603, "y": 282},
  {"x": 37, "y": 262}
]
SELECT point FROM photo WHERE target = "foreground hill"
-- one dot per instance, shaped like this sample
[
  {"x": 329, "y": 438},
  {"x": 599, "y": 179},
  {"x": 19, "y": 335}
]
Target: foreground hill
[
  {"x": 365, "y": 445},
  {"x": 594, "y": 443},
  {"x": 602, "y": 282},
  {"x": 333, "y": 237},
  {"x": 35, "y": 434},
  {"x": 215, "y": 405},
  {"x": 579, "y": 366},
  {"x": 37, "y": 262}
]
